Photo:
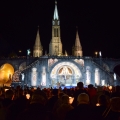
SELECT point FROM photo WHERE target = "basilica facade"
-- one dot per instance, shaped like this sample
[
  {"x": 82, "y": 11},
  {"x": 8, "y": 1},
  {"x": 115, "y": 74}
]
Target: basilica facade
[{"x": 57, "y": 69}]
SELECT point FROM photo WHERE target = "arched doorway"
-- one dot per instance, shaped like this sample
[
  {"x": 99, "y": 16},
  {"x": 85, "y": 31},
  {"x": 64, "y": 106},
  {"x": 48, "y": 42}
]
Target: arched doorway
[{"x": 65, "y": 74}]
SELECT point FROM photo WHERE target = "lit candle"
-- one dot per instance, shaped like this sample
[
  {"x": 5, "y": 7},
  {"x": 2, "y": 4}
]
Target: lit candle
[
  {"x": 71, "y": 100},
  {"x": 28, "y": 96},
  {"x": 97, "y": 104}
]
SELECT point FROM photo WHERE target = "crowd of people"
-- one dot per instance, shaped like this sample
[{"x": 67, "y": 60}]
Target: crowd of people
[{"x": 79, "y": 103}]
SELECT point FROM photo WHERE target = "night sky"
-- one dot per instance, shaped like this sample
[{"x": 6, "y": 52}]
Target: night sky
[{"x": 98, "y": 25}]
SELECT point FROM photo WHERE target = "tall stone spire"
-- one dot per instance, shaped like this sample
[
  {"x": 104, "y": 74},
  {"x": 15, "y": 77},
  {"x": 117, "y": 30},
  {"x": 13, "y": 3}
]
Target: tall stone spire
[
  {"x": 77, "y": 49},
  {"x": 38, "y": 49},
  {"x": 55, "y": 46},
  {"x": 55, "y": 17},
  {"x": 77, "y": 41}
]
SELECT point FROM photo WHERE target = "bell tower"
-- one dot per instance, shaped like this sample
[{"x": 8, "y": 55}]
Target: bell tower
[{"x": 55, "y": 46}]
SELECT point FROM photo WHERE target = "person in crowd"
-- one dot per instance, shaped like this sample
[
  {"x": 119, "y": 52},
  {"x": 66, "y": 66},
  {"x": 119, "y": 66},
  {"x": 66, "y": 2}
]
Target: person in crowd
[
  {"x": 113, "y": 111},
  {"x": 101, "y": 106},
  {"x": 83, "y": 111},
  {"x": 64, "y": 108},
  {"x": 37, "y": 109},
  {"x": 8, "y": 106},
  {"x": 21, "y": 102},
  {"x": 58, "y": 102},
  {"x": 94, "y": 99},
  {"x": 92, "y": 93},
  {"x": 42, "y": 105},
  {"x": 53, "y": 99},
  {"x": 79, "y": 90},
  {"x": 1, "y": 97},
  {"x": 116, "y": 93}
]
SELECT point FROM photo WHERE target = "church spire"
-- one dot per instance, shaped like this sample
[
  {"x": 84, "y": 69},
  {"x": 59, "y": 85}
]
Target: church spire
[
  {"x": 55, "y": 17},
  {"x": 37, "y": 52},
  {"x": 77, "y": 41},
  {"x": 77, "y": 49},
  {"x": 55, "y": 46},
  {"x": 37, "y": 41}
]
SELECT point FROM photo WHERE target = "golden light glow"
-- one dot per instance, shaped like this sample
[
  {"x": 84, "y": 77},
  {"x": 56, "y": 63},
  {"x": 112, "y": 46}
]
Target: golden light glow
[
  {"x": 6, "y": 72},
  {"x": 96, "y": 53},
  {"x": 28, "y": 96},
  {"x": 110, "y": 87},
  {"x": 71, "y": 100},
  {"x": 97, "y": 104},
  {"x": 6, "y": 90}
]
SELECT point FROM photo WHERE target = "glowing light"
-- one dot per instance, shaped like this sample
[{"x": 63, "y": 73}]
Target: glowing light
[
  {"x": 88, "y": 75},
  {"x": 28, "y": 96},
  {"x": 71, "y": 100},
  {"x": 110, "y": 87},
  {"x": 100, "y": 54},
  {"x": 23, "y": 76},
  {"x": 6, "y": 90},
  {"x": 103, "y": 82},
  {"x": 6, "y": 72},
  {"x": 28, "y": 52},
  {"x": 114, "y": 76},
  {"x": 96, "y": 53},
  {"x": 97, "y": 76},
  {"x": 97, "y": 104}
]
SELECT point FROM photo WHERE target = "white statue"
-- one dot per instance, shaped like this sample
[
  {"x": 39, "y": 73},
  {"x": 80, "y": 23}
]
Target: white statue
[
  {"x": 100, "y": 54},
  {"x": 34, "y": 77},
  {"x": 43, "y": 82},
  {"x": 23, "y": 76},
  {"x": 28, "y": 52},
  {"x": 114, "y": 76}
]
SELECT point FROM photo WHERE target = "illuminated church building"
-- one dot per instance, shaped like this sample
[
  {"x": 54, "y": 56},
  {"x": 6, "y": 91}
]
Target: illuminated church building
[{"x": 58, "y": 69}]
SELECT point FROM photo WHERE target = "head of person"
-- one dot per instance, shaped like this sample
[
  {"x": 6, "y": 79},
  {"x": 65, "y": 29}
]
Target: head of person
[
  {"x": 90, "y": 86},
  {"x": 55, "y": 91},
  {"x": 80, "y": 85},
  {"x": 9, "y": 94},
  {"x": 60, "y": 94},
  {"x": 39, "y": 96},
  {"x": 102, "y": 100},
  {"x": 65, "y": 99},
  {"x": 83, "y": 98}
]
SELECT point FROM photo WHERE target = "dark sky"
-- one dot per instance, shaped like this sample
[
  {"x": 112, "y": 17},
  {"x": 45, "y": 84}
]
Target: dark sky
[{"x": 98, "y": 25}]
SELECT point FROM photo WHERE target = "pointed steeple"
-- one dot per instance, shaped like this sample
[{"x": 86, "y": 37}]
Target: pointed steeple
[
  {"x": 37, "y": 51},
  {"x": 77, "y": 49},
  {"x": 77, "y": 41},
  {"x": 37, "y": 41},
  {"x": 55, "y": 17}
]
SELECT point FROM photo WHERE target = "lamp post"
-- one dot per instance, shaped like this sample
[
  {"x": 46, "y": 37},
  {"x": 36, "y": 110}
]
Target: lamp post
[
  {"x": 20, "y": 52},
  {"x": 96, "y": 53}
]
